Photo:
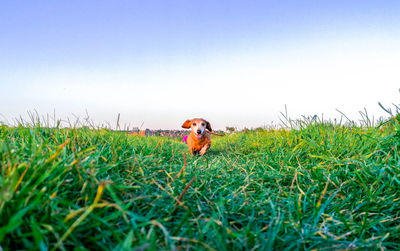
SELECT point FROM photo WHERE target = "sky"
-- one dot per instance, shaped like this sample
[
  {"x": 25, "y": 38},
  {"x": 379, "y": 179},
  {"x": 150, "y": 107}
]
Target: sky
[{"x": 234, "y": 63}]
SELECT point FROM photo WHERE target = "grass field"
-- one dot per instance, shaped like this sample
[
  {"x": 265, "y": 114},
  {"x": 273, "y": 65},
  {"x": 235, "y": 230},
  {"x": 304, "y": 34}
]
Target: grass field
[{"x": 320, "y": 186}]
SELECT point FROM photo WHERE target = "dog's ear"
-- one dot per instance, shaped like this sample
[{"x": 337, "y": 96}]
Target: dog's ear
[
  {"x": 187, "y": 124},
  {"x": 208, "y": 126}
]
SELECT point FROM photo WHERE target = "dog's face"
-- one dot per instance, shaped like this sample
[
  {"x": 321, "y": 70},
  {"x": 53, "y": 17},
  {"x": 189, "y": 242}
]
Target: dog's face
[{"x": 198, "y": 126}]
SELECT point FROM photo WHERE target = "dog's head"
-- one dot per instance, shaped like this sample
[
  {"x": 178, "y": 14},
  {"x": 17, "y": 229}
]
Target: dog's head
[{"x": 198, "y": 126}]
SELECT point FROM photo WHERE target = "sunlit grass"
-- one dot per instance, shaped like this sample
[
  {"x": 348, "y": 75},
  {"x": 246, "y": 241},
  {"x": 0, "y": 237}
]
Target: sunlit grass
[{"x": 319, "y": 186}]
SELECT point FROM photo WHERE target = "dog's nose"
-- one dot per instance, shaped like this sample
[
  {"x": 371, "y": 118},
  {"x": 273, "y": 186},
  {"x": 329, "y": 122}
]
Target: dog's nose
[{"x": 198, "y": 131}]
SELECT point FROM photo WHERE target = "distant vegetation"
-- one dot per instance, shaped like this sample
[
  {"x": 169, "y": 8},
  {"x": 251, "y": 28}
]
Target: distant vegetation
[{"x": 319, "y": 185}]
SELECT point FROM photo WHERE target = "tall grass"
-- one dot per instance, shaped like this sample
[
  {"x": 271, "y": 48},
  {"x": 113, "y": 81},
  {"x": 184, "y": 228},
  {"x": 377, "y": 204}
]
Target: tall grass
[{"x": 319, "y": 186}]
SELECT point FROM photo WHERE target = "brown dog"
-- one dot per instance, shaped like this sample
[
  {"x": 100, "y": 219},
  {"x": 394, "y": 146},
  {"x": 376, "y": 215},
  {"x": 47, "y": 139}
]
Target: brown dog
[{"x": 199, "y": 139}]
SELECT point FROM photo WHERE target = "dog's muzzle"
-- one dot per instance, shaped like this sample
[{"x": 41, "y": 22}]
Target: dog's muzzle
[{"x": 198, "y": 134}]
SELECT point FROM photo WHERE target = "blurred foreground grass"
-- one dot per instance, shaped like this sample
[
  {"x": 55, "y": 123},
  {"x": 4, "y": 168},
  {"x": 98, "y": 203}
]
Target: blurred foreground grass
[{"x": 320, "y": 186}]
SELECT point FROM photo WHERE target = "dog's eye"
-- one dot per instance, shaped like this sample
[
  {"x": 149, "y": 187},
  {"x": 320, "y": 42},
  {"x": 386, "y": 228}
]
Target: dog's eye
[
  {"x": 203, "y": 124},
  {"x": 194, "y": 124}
]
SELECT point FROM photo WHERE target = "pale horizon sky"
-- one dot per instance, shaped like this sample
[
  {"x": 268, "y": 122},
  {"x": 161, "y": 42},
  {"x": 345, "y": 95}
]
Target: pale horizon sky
[{"x": 234, "y": 63}]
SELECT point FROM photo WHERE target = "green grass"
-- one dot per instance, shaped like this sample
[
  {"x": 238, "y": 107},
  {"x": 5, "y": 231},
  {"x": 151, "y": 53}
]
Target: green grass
[{"x": 320, "y": 186}]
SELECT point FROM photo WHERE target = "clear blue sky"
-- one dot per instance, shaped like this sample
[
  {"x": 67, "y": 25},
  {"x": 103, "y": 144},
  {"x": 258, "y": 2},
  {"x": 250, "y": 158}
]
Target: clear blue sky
[{"x": 235, "y": 63}]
